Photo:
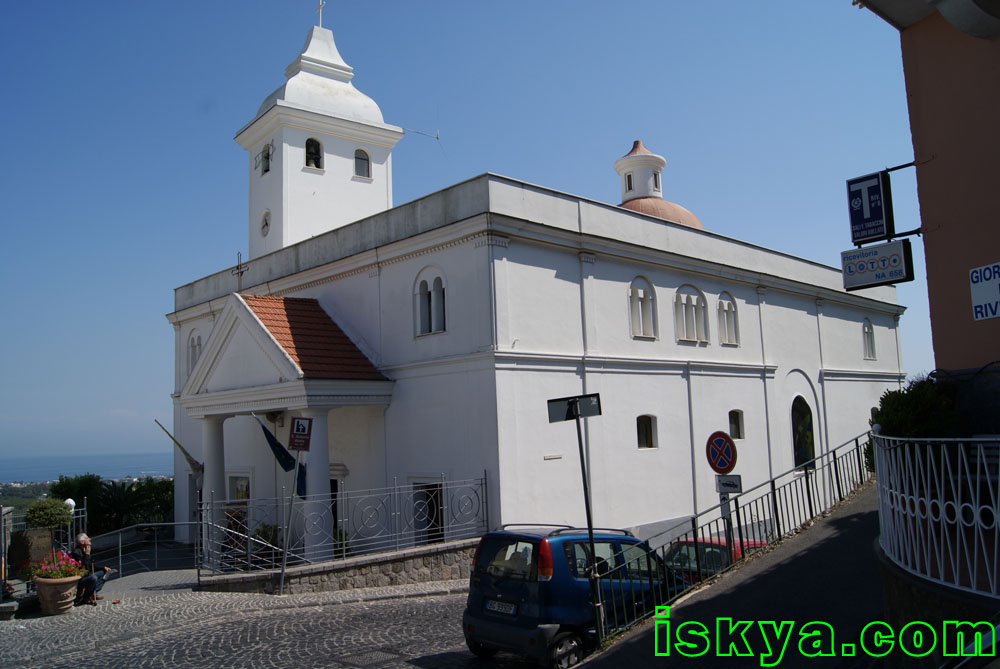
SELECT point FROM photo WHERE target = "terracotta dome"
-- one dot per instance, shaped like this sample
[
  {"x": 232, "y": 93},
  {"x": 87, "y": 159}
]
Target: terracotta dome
[
  {"x": 639, "y": 172},
  {"x": 660, "y": 208}
]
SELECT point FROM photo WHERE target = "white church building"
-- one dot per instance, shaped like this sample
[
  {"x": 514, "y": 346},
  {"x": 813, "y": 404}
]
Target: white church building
[{"x": 424, "y": 340}]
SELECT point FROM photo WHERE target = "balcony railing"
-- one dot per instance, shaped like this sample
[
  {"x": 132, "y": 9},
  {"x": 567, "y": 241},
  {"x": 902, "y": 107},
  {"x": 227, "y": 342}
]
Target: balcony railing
[{"x": 939, "y": 509}]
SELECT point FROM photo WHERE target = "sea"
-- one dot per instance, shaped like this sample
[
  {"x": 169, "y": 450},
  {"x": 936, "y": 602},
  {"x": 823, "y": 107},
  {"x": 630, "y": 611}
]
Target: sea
[{"x": 32, "y": 469}]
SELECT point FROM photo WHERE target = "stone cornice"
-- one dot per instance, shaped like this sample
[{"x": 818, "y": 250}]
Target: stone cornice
[{"x": 291, "y": 396}]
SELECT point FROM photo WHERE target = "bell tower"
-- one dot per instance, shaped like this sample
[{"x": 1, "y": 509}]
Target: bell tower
[{"x": 320, "y": 155}]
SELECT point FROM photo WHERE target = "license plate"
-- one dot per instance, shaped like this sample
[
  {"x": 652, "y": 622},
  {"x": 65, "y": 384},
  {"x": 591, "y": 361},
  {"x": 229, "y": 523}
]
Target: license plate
[{"x": 501, "y": 607}]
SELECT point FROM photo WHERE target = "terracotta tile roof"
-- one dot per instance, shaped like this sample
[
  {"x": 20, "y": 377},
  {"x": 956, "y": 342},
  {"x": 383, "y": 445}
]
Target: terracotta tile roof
[
  {"x": 310, "y": 337},
  {"x": 638, "y": 149}
]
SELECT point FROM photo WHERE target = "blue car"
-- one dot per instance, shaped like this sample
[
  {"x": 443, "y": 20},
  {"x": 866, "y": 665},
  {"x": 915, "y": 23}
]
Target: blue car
[{"x": 529, "y": 592}]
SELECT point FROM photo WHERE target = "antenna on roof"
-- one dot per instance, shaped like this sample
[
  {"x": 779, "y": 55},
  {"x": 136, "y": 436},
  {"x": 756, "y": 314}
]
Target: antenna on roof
[{"x": 436, "y": 135}]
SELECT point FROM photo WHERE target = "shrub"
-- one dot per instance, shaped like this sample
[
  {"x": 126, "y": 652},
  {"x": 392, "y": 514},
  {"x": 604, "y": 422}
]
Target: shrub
[
  {"x": 48, "y": 513},
  {"x": 924, "y": 408}
]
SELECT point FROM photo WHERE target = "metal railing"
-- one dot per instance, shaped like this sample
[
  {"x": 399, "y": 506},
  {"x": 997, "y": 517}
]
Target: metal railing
[
  {"x": 63, "y": 538},
  {"x": 939, "y": 509},
  {"x": 142, "y": 548},
  {"x": 714, "y": 540},
  {"x": 256, "y": 534}
]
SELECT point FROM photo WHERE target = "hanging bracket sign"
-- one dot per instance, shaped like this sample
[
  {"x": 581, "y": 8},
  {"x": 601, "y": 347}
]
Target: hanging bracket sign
[{"x": 869, "y": 200}]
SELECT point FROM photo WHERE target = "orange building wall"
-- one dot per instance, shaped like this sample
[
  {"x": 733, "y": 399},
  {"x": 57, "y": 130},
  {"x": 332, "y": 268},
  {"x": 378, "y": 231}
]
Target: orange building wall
[{"x": 953, "y": 92}]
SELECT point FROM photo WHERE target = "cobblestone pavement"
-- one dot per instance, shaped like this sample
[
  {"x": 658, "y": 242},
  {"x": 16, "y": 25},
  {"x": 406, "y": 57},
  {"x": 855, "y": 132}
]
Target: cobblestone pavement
[{"x": 164, "y": 624}]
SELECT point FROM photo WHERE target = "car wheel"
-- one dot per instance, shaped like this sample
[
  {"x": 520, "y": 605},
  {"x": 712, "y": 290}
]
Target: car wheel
[
  {"x": 479, "y": 650},
  {"x": 565, "y": 651}
]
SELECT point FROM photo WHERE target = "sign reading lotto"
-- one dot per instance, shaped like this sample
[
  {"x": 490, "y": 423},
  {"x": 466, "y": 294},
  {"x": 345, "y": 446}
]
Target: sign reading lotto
[
  {"x": 869, "y": 200},
  {"x": 984, "y": 282},
  {"x": 877, "y": 265}
]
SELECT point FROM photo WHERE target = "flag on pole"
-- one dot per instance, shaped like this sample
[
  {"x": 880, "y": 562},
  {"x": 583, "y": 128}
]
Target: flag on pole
[
  {"x": 285, "y": 459},
  {"x": 195, "y": 466}
]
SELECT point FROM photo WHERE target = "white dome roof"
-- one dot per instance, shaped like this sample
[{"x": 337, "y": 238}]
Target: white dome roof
[{"x": 319, "y": 80}]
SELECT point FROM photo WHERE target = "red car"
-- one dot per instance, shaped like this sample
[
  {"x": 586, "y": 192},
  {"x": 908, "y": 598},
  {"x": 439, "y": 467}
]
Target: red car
[{"x": 696, "y": 560}]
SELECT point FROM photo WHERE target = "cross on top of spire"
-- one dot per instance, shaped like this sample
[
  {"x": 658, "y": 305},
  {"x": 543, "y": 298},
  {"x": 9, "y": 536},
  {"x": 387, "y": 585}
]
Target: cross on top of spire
[{"x": 319, "y": 12}]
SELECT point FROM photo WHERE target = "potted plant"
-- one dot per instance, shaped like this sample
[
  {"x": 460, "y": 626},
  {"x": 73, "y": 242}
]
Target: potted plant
[{"x": 57, "y": 576}]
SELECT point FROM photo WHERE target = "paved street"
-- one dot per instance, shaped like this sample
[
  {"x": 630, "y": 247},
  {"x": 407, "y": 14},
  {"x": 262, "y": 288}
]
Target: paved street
[
  {"x": 827, "y": 572},
  {"x": 170, "y": 625}
]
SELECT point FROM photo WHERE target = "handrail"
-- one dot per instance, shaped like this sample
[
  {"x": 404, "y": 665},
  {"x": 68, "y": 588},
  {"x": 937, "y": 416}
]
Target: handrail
[{"x": 805, "y": 465}]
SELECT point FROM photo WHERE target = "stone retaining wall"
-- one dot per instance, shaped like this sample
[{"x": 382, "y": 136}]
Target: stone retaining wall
[{"x": 437, "y": 562}]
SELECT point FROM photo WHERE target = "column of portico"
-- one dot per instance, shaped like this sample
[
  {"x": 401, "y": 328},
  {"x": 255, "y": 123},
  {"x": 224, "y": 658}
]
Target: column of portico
[
  {"x": 214, "y": 485},
  {"x": 318, "y": 515}
]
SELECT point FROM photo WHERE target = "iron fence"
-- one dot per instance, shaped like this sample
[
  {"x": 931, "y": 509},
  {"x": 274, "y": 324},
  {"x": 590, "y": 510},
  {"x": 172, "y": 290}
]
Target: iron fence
[
  {"x": 255, "y": 534},
  {"x": 14, "y": 526},
  {"x": 713, "y": 541},
  {"x": 939, "y": 508}
]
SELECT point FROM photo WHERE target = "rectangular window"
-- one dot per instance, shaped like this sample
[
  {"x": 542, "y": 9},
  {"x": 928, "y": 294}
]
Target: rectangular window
[
  {"x": 656, "y": 180},
  {"x": 644, "y": 427},
  {"x": 628, "y": 182},
  {"x": 736, "y": 424}
]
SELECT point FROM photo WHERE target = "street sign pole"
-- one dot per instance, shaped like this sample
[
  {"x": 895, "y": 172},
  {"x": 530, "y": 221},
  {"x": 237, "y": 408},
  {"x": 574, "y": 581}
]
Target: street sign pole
[
  {"x": 288, "y": 522},
  {"x": 575, "y": 408},
  {"x": 595, "y": 592}
]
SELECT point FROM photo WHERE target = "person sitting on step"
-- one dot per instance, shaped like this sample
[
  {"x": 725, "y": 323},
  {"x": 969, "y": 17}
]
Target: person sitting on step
[{"x": 91, "y": 584}]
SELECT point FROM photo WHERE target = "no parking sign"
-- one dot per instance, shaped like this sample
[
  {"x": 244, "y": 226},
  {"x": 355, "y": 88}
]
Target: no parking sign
[{"x": 721, "y": 452}]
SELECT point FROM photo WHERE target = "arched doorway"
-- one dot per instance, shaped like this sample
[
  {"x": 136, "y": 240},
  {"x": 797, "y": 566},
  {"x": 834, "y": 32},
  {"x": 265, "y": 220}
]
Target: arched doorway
[{"x": 802, "y": 432}]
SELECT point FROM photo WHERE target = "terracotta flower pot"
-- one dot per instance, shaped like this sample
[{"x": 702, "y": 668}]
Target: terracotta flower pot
[{"x": 56, "y": 595}]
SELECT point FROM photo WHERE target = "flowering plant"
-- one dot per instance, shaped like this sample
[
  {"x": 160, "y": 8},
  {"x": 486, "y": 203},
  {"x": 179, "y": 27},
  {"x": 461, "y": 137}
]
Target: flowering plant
[{"x": 59, "y": 565}]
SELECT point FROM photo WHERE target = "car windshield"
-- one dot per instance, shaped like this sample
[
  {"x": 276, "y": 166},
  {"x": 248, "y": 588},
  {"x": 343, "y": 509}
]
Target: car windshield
[
  {"x": 682, "y": 556},
  {"x": 506, "y": 557}
]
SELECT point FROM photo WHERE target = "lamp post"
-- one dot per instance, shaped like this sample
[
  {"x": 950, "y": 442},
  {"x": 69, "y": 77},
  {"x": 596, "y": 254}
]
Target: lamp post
[{"x": 71, "y": 503}]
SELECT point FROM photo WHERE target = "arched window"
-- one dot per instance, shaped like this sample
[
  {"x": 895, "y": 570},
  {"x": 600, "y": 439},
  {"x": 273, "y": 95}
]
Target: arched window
[
  {"x": 642, "y": 308},
  {"x": 645, "y": 428},
  {"x": 690, "y": 315},
  {"x": 314, "y": 153},
  {"x": 802, "y": 433},
  {"x": 868, "y": 334},
  {"x": 429, "y": 302},
  {"x": 362, "y": 164},
  {"x": 729, "y": 325},
  {"x": 194, "y": 350}
]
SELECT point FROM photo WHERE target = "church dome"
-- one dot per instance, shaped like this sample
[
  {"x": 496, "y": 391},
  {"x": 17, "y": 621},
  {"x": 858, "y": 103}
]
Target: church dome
[
  {"x": 640, "y": 172},
  {"x": 319, "y": 80},
  {"x": 660, "y": 208}
]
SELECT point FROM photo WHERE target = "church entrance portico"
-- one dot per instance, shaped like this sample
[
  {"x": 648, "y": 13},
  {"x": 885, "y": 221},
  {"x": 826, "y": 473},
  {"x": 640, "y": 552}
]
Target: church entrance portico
[{"x": 267, "y": 361}]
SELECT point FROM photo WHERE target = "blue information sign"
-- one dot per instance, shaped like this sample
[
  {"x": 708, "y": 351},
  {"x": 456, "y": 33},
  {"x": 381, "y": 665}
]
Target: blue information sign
[{"x": 869, "y": 201}]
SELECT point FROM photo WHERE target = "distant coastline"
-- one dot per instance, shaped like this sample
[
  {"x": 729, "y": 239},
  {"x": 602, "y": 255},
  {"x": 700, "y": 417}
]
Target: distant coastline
[{"x": 32, "y": 469}]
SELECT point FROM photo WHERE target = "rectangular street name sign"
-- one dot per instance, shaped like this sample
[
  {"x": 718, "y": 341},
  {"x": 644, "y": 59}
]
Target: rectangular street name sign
[
  {"x": 869, "y": 200},
  {"x": 878, "y": 265},
  {"x": 984, "y": 283},
  {"x": 562, "y": 408}
]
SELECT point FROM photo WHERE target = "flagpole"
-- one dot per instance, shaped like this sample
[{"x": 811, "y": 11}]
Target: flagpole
[{"x": 288, "y": 522}]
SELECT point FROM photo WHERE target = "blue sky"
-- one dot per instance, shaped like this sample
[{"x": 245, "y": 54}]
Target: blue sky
[{"x": 122, "y": 181}]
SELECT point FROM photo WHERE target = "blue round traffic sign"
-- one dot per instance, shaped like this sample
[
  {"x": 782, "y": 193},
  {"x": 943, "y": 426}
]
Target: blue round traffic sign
[{"x": 721, "y": 452}]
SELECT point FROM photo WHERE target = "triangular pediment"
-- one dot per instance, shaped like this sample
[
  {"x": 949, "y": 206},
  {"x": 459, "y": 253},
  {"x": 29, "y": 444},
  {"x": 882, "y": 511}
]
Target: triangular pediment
[{"x": 240, "y": 354}]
